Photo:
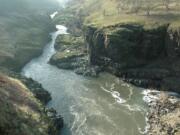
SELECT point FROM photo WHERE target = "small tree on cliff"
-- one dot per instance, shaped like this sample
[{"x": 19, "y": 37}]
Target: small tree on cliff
[
  {"x": 136, "y": 6},
  {"x": 132, "y": 6},
  {"x": 166, "y": 3},
  {"x": 149, "y": 5},
  {"x": 122, "y": 5}
]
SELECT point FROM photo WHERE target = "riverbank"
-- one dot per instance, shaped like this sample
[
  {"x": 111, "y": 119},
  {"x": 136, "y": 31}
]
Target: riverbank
[
  {"x": 139, "y": 49},
  {"x": 25, "y": 27},
  {"x": 23, "y": 102},
  {"x": 153, "y": 63},
  {"x": 23, "y": 112},
  {"x": 161, "y": 105},
  {"x": 164, "y": 115},
  {"x": 143, "y": 50}
]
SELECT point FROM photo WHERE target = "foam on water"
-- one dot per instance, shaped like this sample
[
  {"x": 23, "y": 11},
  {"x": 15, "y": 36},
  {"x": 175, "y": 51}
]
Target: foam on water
[
  {"x": 61, "y": 29},
  {"x": 53, "y": 15},
  {"x": 149, "y": 97},
  {"x": 117, "y": 97},
  {"x": 115, "y": 94}
]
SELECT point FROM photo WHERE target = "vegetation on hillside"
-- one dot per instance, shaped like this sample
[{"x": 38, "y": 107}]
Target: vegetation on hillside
[
  {"x": 140, "y": 38},
  {"x": 21, "y": 113},
  {"x": 137, "y": 40},
  {"x": 24, "y": 30},
  {"x": 110, "y": 12}
]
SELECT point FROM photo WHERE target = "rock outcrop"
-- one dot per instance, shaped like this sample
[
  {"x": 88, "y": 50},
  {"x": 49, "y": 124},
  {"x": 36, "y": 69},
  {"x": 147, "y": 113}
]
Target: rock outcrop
[
  {"x": 72, "y": 55},
  {"x": 145, "y": 55}
]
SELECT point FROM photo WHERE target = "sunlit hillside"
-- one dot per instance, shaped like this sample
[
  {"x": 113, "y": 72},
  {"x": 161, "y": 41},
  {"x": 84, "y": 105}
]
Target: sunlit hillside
[{"x": 109, "y": 12}]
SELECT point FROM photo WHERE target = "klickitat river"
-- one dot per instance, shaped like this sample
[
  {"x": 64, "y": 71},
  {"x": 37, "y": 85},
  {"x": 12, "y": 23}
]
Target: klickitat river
[{"x": 90, "y": 106}]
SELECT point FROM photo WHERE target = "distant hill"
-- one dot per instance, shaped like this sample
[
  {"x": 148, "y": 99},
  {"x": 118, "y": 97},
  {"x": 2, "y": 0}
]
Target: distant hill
[
  {"x": 24, "y": 30},
  {"x": 27, "y": 6}
]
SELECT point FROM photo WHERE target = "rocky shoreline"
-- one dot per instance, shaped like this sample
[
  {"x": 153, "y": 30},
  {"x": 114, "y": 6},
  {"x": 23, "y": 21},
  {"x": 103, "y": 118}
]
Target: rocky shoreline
[
  {"x": 163, "y": 117},
  {"x": 143, "y": 54},
  {"x": 79, "y": 60},
  {"x": 146, "y": 57},
  {"x": 56, "y": 121},
  {"x": 157, "y": 68}
]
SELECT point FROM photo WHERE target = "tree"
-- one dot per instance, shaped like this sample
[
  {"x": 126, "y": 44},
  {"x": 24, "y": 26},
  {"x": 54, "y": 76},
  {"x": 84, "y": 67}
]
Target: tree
[
  {"x": 136, "y": 6},
  {"x": 149, "y": 5},
  {"x": 166, "y": 3},
  {"x": 131, "y": 5}
]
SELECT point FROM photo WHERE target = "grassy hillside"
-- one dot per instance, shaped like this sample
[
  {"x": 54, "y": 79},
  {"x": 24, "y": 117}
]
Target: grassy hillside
[
  {"x": 20, "y": 112},
  {"x": 24, "y": 30},
  {"x": 103, "y": 13},
  {"x": 106, "y": 13}
]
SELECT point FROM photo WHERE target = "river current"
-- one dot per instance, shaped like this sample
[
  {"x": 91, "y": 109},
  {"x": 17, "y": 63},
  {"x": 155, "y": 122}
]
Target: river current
[{"x": 90, "y": 106}]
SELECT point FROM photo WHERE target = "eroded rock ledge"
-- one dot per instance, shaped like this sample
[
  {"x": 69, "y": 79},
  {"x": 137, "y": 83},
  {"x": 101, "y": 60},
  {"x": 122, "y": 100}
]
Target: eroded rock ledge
[
  {"x": 72, "y": 55},
  {"x": 145, "y": 55}
]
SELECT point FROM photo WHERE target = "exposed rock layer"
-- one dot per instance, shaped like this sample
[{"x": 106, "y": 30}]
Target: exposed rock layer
[{"x": 144, "y": 56}]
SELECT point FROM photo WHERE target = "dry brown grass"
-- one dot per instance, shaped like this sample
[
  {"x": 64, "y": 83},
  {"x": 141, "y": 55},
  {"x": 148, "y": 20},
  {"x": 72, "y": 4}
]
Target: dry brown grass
[
  {"x": 20, "y": 113},
  {"x": 163, "y": 97}
]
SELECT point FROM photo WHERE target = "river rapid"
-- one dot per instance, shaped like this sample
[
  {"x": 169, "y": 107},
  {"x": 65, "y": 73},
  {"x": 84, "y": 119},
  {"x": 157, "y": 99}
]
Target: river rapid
[{"x": 90, "y": 106}]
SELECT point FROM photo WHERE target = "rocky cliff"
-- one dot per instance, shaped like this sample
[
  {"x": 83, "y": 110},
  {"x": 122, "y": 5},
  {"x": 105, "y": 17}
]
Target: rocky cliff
[{"x": 145, "y": 55}]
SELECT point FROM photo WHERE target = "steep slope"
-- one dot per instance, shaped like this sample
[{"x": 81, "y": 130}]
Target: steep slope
[
  {"x": 24, "y": 29},
  {"x": 140, "y": 47},
  {"x": 21, "y": 113}
]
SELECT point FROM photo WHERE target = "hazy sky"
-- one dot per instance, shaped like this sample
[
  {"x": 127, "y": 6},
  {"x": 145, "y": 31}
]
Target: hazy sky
[{"x": 62, "y": 1}]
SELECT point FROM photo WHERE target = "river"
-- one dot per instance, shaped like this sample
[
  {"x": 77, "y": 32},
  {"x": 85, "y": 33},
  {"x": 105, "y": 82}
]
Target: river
[{"x": 90, "y": 106}]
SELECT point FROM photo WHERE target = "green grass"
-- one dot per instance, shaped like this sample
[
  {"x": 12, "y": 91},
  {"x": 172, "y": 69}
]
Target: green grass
[
  {"x": 68, "y": 41},
  {"x": 20, "y": 112},
  {"x": 104, "y": 13},
  {"x": 24, "y": 30},
  {"x": 69, "y": 46},
  {"x": 22, "y": 37}
]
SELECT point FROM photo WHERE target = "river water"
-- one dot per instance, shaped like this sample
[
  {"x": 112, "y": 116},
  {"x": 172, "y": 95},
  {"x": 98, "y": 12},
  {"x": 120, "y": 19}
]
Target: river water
[{"x": 90, "y": 106}]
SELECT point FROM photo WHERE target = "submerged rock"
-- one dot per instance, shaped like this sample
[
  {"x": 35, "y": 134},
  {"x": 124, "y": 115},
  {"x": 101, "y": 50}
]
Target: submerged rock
[{"x": 92, "y": 71}]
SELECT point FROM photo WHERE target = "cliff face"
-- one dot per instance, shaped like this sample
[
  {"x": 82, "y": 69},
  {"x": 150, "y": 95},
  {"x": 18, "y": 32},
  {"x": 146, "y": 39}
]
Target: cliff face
[
  {"x": 144, "y": 55},
  {"x": 173, "y": 42},
  {"x": 126, "y": 43}
]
